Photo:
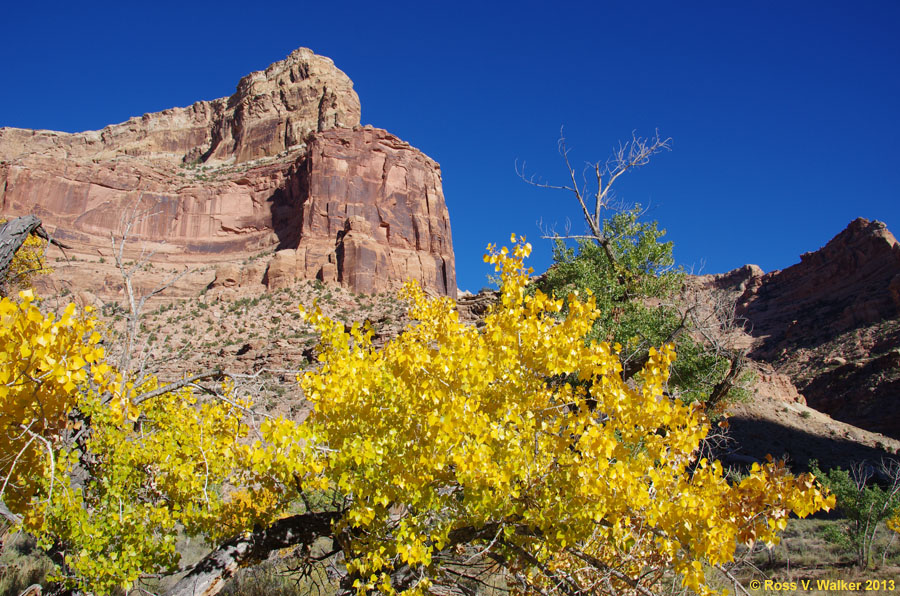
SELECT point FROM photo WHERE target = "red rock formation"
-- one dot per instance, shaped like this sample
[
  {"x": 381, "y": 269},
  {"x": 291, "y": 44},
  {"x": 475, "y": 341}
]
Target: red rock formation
[
  {"x": 844, "y": 285},
  {"x": 384, "y": 204},
  {"x": 271, "y": 111},
  {"x": 832, "y": 324},
  {"x": 186, "y": 215},
  {"x": 280, "y": 165}
]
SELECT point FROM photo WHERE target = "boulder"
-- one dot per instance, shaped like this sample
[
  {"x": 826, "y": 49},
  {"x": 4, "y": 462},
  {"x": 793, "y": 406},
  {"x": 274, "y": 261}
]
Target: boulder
[
  {"x": 228, "y": 275},
  {"x": 282, "y": 270}
]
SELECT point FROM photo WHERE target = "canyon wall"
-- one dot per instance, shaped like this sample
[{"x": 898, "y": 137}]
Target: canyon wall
[
  {"x": 282, "y": 165},
  {"x": 832, "y": 324}
]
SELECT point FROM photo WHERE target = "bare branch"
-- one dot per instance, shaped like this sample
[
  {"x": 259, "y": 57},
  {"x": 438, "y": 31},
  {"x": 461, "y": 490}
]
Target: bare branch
[
  {"x": 634, "y": 154},
  {"x": 8, "y": 515},
  {"x": 562, "y": 582},
  {"x": 598, "y": 564},
  {"x": 734, "y": 580},
  {"x": 208, "y": 577},
  {"x": 210, "y": 374}
]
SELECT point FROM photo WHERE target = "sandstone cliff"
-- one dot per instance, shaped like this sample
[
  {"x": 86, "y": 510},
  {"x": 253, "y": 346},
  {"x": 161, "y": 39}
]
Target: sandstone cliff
[
  {"x": 832, "y": 324},
  {"x": 282, "y": 165},
  {"x": 271, "y": 111}
]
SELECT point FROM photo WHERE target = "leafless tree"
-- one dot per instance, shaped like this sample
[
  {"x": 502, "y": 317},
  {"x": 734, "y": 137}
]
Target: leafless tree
[
  {"x": 136, "y": 302},
  {"x": 709, "y": 319},
  {"x": 597, "y": 196}
]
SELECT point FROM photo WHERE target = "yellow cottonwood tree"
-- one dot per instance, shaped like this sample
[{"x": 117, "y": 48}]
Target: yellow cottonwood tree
[
  {"x": 567, "y": 488},
  {"x": 43, "y": 362},
  {"x": 450, "y": 451}
]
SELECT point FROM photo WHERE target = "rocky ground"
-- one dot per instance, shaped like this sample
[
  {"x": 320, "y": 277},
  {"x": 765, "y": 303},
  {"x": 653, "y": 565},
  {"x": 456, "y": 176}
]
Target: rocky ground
[{"x": 251, "y": 332}]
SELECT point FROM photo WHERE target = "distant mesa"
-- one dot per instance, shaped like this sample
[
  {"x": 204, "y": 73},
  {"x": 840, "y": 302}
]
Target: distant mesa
[{"x": 282, "y": 165}]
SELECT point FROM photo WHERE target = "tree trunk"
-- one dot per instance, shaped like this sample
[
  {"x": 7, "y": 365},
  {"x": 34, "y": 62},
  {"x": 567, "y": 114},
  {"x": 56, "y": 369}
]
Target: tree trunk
[
  {"x": 208, "y": 577},
  {"x": 12, "y": 236}
]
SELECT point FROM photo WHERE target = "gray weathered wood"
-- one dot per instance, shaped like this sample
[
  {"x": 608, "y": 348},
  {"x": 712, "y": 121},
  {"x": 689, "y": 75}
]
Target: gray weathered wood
[
  {"x": 208, "y": 576},
  {"x": 12, "y": 236}
]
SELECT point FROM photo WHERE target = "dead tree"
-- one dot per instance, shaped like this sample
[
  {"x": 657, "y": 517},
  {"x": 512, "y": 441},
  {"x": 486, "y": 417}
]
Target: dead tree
[
  {"x": 595, "y": 203},
  {"x": 594, "y": 192},
  {"x": 13, "y": 235}
]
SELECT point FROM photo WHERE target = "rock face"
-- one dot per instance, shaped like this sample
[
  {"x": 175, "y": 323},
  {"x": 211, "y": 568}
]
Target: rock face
[
  {"x": 271, "y": 111},
  {"x": 844, "y": 285},
  {"x": 282, "y": 165},
  {"x": 832, "y": 324},
  {"x": 384, "y": 204}
]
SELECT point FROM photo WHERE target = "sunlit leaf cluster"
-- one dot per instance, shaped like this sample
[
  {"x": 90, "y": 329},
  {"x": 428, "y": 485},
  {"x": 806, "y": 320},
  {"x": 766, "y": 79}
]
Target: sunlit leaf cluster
[
  {"x": 636, "y": 286},
  {"x": 174, "y": 465},
  {"x": 44, "y": 362},
  {"x": 452, "y": 426},
  {"x": 516, "y": 442}
]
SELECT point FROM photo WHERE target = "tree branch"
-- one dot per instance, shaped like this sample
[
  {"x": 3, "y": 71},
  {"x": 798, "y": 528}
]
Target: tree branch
[
  {"x": 598, "y": 564},
  {"x": 208, "y": 577},
  {"x": 14, "y": 234},
  {"x": 210, "y": 374},
  {"x": 565, "y": 584},
  {"x": 634, "y": 366}
]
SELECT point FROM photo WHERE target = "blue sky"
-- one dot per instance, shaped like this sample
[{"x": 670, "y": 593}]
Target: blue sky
[{"x": 784, "y": 115}]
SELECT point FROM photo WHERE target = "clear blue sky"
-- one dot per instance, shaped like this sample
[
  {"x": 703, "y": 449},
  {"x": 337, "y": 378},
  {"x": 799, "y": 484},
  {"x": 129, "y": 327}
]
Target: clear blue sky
[{"x": 785, "y": 116}]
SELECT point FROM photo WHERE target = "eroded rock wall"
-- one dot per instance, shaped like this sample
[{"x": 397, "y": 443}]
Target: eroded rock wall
[
  {"x": 844, "y": 285},
  {"x": 382, "y": 201},
  {"x": 832, "y": 324},
  {"x": 271, "y": 111},
  {"x": 282, "y": 165}
]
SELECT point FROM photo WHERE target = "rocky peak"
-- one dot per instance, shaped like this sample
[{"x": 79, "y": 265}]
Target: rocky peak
[
  {"x": 275, "y": 109},
  {"x": 271, "y": 111},
  {"x": 832, "y": 323},
  {"x": 282, "y": 166},
  {"x": 843, "y": 285}
]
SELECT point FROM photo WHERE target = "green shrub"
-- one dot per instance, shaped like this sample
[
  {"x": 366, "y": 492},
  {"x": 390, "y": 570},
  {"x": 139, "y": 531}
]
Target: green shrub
[
  {"x": 636, "y": 286},
  {"x": 864, "y": 504}
]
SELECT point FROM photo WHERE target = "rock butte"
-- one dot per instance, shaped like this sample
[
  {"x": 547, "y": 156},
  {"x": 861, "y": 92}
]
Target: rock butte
[{"x": 282, "y": 165}]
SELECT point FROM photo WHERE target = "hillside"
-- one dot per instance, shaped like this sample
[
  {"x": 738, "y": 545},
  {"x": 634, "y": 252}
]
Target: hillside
[
  {"x": 831, "y": 323},
  {"x": 250, "y": 328}
]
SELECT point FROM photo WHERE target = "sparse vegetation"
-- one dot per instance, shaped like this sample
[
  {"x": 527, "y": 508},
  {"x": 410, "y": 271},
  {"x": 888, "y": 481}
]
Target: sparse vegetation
[
  {"x": 865, "y": 504},
  {"x": 250, "y": 331}
]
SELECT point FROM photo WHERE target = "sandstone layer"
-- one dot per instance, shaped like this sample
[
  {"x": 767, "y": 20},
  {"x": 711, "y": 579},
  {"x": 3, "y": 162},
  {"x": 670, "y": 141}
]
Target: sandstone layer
[{"x": 281, "y": 166}]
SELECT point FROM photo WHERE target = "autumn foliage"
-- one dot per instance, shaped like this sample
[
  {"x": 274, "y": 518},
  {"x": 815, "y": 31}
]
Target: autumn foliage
[
  {"x": 452, "y": 444},
  {"x": 45, "y": 360}
]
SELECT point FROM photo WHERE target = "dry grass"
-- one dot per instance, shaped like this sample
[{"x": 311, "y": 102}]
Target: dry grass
[
  {"x": 808, "y": 554},
  {"x": 21, "y": 564}
]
